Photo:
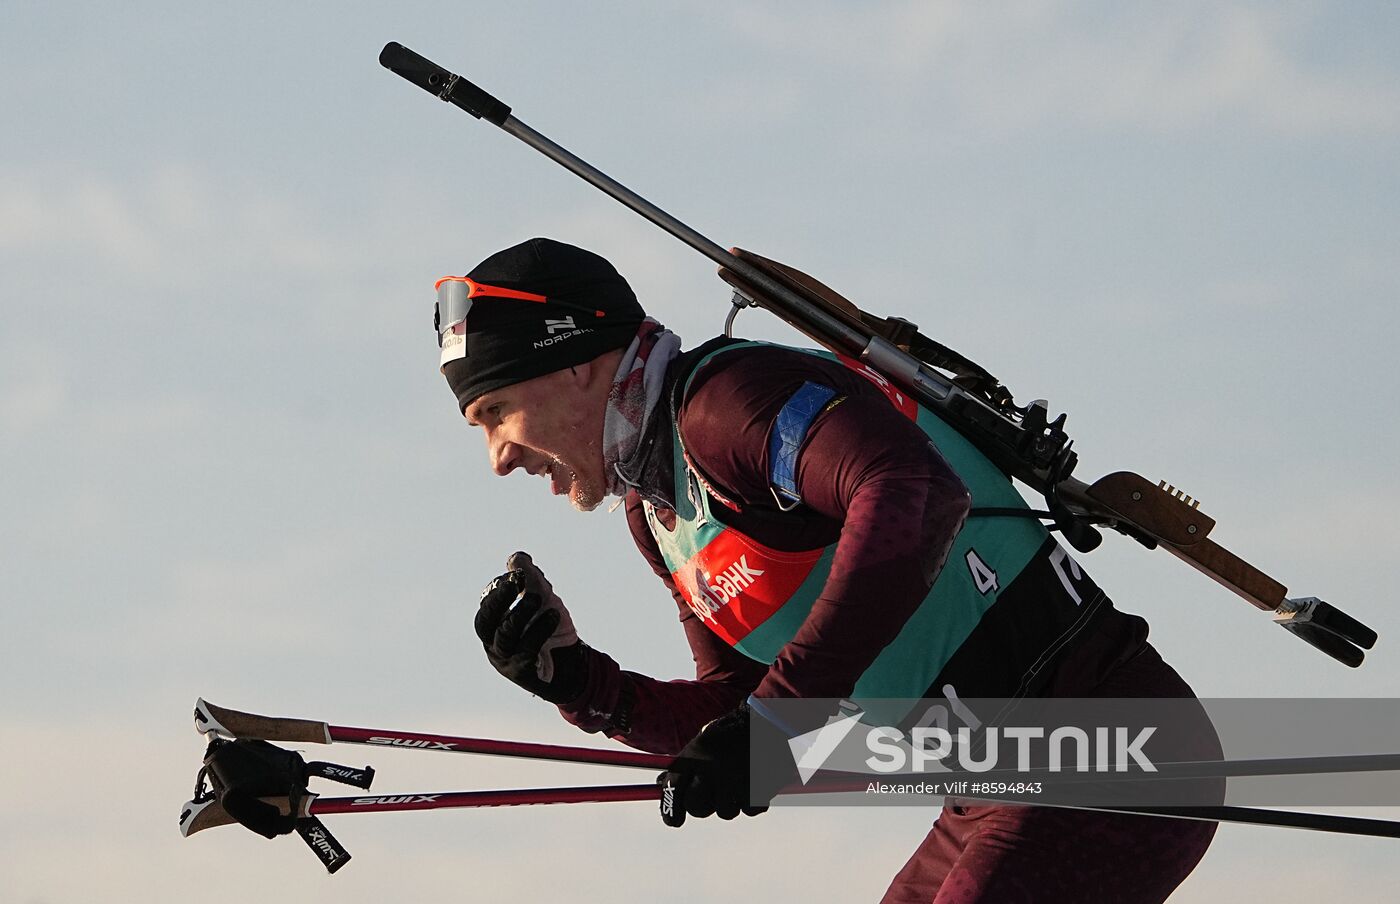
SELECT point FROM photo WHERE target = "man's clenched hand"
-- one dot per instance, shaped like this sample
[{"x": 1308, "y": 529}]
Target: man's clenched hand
[{"x": 528, "y": 634}]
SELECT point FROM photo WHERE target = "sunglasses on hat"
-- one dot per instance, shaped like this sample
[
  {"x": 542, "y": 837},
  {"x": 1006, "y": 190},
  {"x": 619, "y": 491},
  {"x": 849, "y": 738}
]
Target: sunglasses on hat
[{"x": 456, "y": 295}]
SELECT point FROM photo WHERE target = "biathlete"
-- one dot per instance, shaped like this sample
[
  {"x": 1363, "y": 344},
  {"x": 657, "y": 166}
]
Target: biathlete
[{"x": 820, "y": 535}]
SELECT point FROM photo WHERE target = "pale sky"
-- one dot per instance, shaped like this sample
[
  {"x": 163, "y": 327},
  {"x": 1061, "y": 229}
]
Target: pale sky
[{"x": 229, "y": 467}]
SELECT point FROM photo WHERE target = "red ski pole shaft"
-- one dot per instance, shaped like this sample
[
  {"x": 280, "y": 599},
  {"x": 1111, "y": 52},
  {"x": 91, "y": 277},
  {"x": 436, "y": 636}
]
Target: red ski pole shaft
[
  {"x": 511, "y": 797},
  {"x": 412, "y": 740},
  {"x": 198, "y": 815},
  {"x": 231, "y": 723}
]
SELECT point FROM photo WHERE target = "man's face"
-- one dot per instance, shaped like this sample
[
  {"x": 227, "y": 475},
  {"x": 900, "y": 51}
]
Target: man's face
[{"x": 552, "y": 427}]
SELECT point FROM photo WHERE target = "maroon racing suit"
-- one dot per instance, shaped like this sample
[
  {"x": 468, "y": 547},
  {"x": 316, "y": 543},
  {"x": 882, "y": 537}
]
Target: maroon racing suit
[{"x": 871, "y": 483}]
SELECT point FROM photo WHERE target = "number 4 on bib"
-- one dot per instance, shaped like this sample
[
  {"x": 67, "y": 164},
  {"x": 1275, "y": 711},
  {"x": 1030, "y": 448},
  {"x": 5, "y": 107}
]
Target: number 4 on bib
[{"x": 982, "y": 574}]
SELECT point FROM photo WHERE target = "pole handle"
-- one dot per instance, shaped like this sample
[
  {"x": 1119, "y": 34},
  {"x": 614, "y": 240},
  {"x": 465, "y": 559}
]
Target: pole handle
[
  {"x": 216, "y": 720},
  {"x": 447, "y": 86}
]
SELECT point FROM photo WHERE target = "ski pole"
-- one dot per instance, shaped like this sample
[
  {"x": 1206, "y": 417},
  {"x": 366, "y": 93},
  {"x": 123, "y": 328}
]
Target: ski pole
[
  {"x": 229, "y": 723},
  {"x": 220, "y": 721},
  {"x": 198, "y": 814},
  {"x": 1259, "y": 816},
  {"x": 196, "y": 817}
]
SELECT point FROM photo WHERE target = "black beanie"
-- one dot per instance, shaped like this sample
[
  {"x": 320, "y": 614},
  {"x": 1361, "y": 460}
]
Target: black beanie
[{"x": 589, "y": 310}]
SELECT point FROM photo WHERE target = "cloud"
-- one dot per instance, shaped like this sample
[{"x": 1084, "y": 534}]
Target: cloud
[
  {"x": 1167, "y": 68},
  {"x": 33, "y": 391},
  {"x": 171, "y": 227}
]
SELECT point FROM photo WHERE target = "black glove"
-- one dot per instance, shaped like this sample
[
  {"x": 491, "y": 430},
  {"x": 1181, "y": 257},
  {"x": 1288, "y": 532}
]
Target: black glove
[
  {"x": 712, "y": 774},
  {"x": 244, "y": 771},
  {"x": 528, "y": 634}
]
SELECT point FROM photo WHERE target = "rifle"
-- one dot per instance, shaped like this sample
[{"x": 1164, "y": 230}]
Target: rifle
[{"x": 1019, "y": 439}]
